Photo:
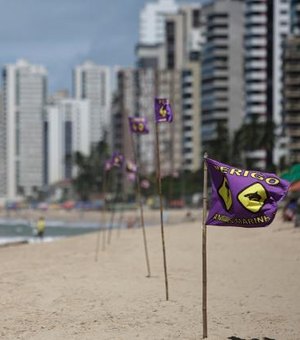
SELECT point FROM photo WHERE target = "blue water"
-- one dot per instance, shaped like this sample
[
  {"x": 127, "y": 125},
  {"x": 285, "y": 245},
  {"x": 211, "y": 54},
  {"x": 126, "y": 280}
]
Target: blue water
[{"x": 14, "y": 230}]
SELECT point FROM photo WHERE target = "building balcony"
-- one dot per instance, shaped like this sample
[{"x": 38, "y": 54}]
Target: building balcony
[
  {"x": 292, "y": 119},
  {"x": 292, "y": 68},
  {"x": 292, "y": 81},
  {"x": 288, "y": 106},
  {"x": 258, "y": 8},
  {"x": 293, "y": 132},
  {"x": 294, "y": 145},
  {"x": 256, "y": 87},
  {"x": 256, "y": 76},
  {"x": 253, "y": 64},
  {"x": 288, "y": 93},
  {"x": 256, "y": 30},
  {"x": 260, "y": 42},
  {"x": 257, "y": 52},
  {"x": 257, "y": 109},
  {"x": 255, "y": 19}
]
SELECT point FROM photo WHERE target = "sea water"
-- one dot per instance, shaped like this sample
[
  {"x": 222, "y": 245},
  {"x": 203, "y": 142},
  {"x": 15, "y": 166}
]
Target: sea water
[{"x": 18, "y": 230}]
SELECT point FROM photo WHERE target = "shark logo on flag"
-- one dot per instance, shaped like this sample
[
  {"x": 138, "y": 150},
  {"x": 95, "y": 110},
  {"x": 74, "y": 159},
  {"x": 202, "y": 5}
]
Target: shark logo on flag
[
  {"x": 117, "y": 159},
  {"x": 138, "y": 125},
  {"x": 163, "y": 111},
  {"x": 243, "y": 198}
]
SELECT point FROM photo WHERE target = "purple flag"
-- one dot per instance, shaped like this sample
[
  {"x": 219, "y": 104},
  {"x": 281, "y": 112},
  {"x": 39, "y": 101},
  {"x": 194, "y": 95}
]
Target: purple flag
[
  {"x": 108, "y": 165},
  {"x": 131, "y": 166},
  {"x": 163, "y": 111},
  {"x": 243, "y": 198},
  {"x": 117, "y": 159},
  {"x": 131, "y": 176},
  {"x": 145, "y": 184},
  {"x": 138, "y": 125}
]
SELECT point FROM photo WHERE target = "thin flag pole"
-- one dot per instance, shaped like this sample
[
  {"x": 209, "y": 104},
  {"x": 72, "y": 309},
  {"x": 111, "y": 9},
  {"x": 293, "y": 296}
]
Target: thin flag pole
[
  {"x": 103, "y": 213},
  {"x": 113, "y": 212},
  {"x": 121, "y": 216},
  {"x": 161, "y": 210},
  {"x": 139, "y": 198},
  {"x": 107, "y": 183},
  {"x": 204, "y": 257}
]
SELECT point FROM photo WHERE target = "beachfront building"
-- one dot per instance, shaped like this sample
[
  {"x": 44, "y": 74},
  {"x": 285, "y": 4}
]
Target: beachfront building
[
  {"x": 21, "y": 123},
  {"x": 183, "y": 46},
  {"x": 67, "y": 130},
  {"x": 93, "y": 82},
  {"x": 291, "y": 86},
  {"x": 152, "y": 24},
  {"x": 266, "y": 26},
  {"x": 222, "y": 74}
]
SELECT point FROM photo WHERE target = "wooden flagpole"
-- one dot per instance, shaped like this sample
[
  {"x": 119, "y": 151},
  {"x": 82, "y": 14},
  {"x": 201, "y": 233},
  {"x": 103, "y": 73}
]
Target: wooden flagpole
[
  {"x": 161, "y": 210},
  {"x": 204, "y": 257},
  {"x": 103, "y": 213},
  {"x": 139, "y": 198},
  {"x": 113, "y": 211},
  {"x": 121, "y": 216}
]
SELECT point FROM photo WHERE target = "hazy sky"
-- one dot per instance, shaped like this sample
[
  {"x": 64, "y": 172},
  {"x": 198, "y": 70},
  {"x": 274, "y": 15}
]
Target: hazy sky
[{"x": 63, "y": 33}]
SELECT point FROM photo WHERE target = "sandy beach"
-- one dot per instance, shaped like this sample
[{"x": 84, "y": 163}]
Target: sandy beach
[{"x": 58, "y": 291}]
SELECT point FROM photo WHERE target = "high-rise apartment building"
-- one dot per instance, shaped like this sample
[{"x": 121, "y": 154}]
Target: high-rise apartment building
[
  {"x": 25, "y": 89},
  {"x": 93, "y": 82},
  {"x": 222, "y": 73},
  {"x": 291, "y": 86},
  {"x": 266, "y": 26},
  {"x": 67, "y": 130},
  {"x": 152, "y": 21}
]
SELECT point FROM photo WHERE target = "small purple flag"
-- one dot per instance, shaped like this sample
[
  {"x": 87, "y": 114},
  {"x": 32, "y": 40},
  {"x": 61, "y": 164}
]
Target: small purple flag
[
  {"x": 131, "y": 166},
  {"x": 117, "y": 159},
  {"x": 108, "y": 165},
  {"x": 145, "y": 184},
  {"x": 138, "y": 125},
  {"x": 131, "y": 176},
  {"x": 243, "y": 198},
  {"x": 163, "y": 111}
]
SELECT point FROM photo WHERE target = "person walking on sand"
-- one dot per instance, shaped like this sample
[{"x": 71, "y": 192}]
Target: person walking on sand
[{"x": 40, "y": 226}]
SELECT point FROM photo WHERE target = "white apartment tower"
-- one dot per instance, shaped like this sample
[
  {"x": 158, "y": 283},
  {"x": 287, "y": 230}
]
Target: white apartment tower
[
  {"x": 93, "y": 82},
  {"x": 21, "y": 166},
  {"x": 68, "y": 131},
  {"x": 152, "y": 21}
]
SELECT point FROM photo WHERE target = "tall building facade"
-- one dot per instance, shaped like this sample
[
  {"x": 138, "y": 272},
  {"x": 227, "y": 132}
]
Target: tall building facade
[
  {"x": 266, "y": 26},
  {"x": 25, "y": 89},
  {"x": 152, "y": 21},
  {"x": 93, "y": 82},
  {"x": 222, "y": 73},
  {"x": 291, "y": 86},
  {"x": 67, "y": 130}
]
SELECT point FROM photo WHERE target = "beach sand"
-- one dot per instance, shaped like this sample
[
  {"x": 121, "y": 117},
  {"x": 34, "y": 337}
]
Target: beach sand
[{"x": 58, "y": 291}]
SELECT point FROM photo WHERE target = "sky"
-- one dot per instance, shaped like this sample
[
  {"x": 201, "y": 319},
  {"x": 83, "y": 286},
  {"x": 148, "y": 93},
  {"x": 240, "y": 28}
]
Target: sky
[{"x": 61, "y": 34}]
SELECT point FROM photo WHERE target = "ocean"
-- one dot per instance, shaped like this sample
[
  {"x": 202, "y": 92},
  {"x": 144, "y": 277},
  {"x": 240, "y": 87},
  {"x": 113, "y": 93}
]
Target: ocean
[{"x": 19, "y": 230}]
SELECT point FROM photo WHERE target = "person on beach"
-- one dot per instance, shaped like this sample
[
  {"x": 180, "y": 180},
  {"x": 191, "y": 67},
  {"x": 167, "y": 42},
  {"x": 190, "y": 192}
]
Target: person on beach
[{"x": 40, "y": 226}]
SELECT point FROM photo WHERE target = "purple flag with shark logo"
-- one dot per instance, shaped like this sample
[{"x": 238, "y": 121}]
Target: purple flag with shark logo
[
  {"x": 163, "y": 111},
  {"x": 117, "y": 159},
  {"x": 243, "y": 198},
  {"x": 138, "y": 125}
]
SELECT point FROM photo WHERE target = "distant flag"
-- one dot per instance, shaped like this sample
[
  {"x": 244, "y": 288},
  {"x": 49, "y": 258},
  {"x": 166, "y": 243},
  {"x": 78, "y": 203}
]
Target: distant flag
[
  {"x": 117, "y": 159},
  {"x": 108, "y": 165},
  {"x": 145, "y": 184},
  {"x": 163, "y": 110},
  {"x": 131, "y": 166},
  {"x": 131, "y": 176},
  {"x": 243, "y": 198},
  {"x": 138, "y": 125}
]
